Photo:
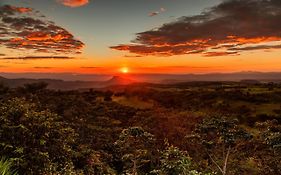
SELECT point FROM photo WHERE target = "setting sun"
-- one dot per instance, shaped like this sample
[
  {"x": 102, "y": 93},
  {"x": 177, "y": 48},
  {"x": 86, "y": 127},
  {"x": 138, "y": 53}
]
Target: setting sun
[
  {"x": 124, "y": 70},
  {"x": 139, "y": 87}
]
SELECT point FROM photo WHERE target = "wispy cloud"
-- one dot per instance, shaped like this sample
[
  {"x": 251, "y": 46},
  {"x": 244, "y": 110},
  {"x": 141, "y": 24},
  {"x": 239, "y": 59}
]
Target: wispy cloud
[
  {"x": 161, "y": 10},
  {"x": 133, "y": 56},
  {"x": 153, "y": 13},
  {"x": 36, "y": 57},
  {"x": 229, "y": 28},
  {"x": 216, "y": 54},
  {"x": 39, "y": 67},
  {"x": 90, "y": 67}
]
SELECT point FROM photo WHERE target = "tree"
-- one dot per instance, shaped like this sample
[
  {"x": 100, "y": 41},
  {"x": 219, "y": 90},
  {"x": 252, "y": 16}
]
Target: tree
[
  {"x": 270, "y": 142},
  {"x": 175, "y": 162},
  {"x": 34, "y": 87},
  {"x": 271, "y": 133},
  {"x": 3, "y": 88},
  {"x": 135, "y": 146},
  {"x": 218, "y": 136},
  {"x": 93, "y": 162},
  {"x": 108, "y": 95}
]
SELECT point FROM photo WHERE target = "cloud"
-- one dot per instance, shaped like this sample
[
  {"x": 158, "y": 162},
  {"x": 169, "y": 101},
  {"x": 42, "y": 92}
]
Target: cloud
[
  {"x": 162, "y": 9},
  {"x": 259, "y": 47},
  {"x": 216, "y": 54},
  {"x": 24, "y": 29},
  {"x": 21, "y": 9},
  {"x": 12, "y": 10},
  {"x": 1, "y": 55},
  {"x": 90, "y": 67},
  {"x": 39, "y": 67},
  {"x": 229, "y": 28},
  {"x": 133, "y": 56},
  {"x": 151, "y": 14},
  {"x": 73, "y": 3},
  {"x": 36, "y": 57}
]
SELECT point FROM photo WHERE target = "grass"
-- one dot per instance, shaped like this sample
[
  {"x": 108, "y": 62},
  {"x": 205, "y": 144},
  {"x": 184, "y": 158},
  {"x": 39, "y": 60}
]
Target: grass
[
  {"x": 134, "y": 102},
  {"x": 6, "y": 167}
]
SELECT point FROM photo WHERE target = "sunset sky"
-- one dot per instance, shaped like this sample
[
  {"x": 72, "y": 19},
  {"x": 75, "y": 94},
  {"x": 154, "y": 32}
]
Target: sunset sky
[{"x": 140, "y": 36}]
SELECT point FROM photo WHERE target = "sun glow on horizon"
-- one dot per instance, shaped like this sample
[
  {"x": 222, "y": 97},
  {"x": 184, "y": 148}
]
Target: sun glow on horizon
[{"x": 124, "y": 70}]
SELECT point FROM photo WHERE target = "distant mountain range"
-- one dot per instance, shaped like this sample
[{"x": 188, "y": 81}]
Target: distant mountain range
[
  {"x": 82, "y": 81},
  {"x": 238, "y": 76},
  {"x": 67, "y": 85}
]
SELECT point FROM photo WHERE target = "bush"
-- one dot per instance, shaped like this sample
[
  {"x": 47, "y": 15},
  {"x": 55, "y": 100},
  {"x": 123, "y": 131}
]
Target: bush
[{"x": 35, "y": 140}]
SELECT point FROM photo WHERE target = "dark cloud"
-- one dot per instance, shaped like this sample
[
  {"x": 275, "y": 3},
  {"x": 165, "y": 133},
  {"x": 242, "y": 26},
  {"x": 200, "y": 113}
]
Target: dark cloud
[
  {"x": 216, "y": 54},
  {"x": 259, "y": 47},
  {"x": 229, "y": 28},
  {"x": 89, "y": 67},
  {"x": 38, "y": 67},
  {"x": 36, "y": 57},
  {"x": 1, "y": 54},
  {"x": 25, "y": 29}
]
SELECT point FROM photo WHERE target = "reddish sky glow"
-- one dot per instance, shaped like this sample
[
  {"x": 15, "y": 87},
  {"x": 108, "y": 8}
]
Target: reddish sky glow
[{"x": 163, "y": 36}]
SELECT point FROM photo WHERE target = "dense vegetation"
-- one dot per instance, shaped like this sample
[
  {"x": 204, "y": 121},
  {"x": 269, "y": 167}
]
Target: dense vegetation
[{"x": 183, "y": 129}]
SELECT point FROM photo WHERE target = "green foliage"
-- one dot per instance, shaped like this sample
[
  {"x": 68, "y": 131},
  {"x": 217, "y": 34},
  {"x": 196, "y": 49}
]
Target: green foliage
[
  {"x": 95, "y": 162},
  {"x": 51, "y": 132},
  {"x": 220, "y": 130},
  {"x": 35, "y": 87},
  {"x": 271, "y": 133},
  {"x": 33, "y": 139},
  {"x": 135, "y": 146},
  {"x": 6, "y": 167},
  {"x": 67, "y": 169},
  {"x": 218, "y": 137},
  {"x": 175, "y": 162}
]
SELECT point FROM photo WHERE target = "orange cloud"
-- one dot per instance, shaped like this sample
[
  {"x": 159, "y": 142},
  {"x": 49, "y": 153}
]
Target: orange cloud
[
  {"x": 73, "y": 3},
  {"x": 11, "y": 10},
  {"x": 229, "y": 28},
  {"x": 215, "y": 54},
  {"x": 32, "y": 32},
  {"x": 22, "y": 9},
  {"x": 41, "y": 36}
]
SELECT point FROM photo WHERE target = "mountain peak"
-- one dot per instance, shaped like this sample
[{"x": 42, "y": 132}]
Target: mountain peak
[
  {"x": 119, "y": 80},
  {"x": 116, "y": 77}
]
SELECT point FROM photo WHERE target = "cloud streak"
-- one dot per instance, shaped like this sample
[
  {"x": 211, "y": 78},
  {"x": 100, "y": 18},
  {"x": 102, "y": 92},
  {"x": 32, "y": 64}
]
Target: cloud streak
[
  {"x": 39, "y": 67},
  {"x": 25, "y": 29},
  {"x": 36, "y": 58},
  {"x": 232, "y": 27}
]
